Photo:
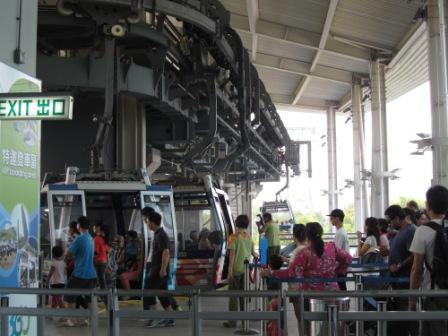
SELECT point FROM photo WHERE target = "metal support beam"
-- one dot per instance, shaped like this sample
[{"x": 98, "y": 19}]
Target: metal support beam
[
  {"x": 357, "y": 183},
  {"x": 253, "y": 15},
  {"x": 438, "y": 83},
  {"x": 323, "y": 41},
  {"x": 332, "y": 160},
  {"x": 380, "y": 182}
]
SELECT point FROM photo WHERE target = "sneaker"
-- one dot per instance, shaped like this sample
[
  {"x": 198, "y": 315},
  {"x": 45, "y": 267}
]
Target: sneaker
[
  {"x": 154, "y": 323},
  {"x": 67, "y": 323},
  {"x": 168, "y": 323},
  {"x": 229, "y": 324}
]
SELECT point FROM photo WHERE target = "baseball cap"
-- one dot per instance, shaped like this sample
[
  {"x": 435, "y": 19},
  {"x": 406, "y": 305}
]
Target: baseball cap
[{"x": 337, "y": 213}]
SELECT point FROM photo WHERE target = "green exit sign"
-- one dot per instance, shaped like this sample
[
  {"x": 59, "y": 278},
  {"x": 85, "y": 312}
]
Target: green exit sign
[{"x": 43, "y": 106}]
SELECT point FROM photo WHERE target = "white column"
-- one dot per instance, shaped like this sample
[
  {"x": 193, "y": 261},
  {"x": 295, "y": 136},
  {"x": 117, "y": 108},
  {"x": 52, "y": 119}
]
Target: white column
[
  {"x": 380, "y": 183},
  {"x": 438, "y": 84},
  {"x": 332, "y": 160},
  {"x": 356, "y": 119}
]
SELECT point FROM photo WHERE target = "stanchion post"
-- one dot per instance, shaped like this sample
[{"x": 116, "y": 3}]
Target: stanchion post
[
  {"x": 197, "y": 323},
  {"x": 283, "y": 305},
  {"x": 246, "y": 288},
  {"x": 332, "y": 311},
  {"x": 40, "y": 319},
  {"x": 113, "y": 308},
  {"x": 246, "y": 330},
  {"x": 4, "y": 303},
  {"x": 359, "y": 305},
  {"x": 381, "y": 325},
  {"x": 264, "y": 305},
  {"x": 94, "y": 314},
  {"x": 420, "y": 308},
  {"x": 302, "y": 312}
]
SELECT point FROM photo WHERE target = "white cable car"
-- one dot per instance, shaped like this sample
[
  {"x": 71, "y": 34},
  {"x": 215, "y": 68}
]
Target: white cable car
[
  {"x": 202, "y": 209},
  {"x": 117, "y": 204}
]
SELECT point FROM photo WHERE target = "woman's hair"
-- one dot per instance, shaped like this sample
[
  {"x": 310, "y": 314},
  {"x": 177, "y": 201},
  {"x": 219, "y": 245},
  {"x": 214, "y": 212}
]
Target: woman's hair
[
  {"x": 372, "y": 228},
  {"x": 383, "y": 225},
  {"x": 420, "y": 213},
  {"x": 314, "y": 234},
  {"x": 299, "y": 232}
]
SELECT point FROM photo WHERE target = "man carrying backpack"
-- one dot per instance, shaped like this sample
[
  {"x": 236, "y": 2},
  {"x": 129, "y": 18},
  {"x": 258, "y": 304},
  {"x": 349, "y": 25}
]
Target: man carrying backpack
[{"x": 430, "y": 248}]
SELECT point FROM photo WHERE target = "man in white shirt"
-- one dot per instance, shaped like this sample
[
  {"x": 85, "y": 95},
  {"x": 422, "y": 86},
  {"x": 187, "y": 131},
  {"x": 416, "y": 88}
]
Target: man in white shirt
[
  {"x": 340, "y": 238},
  {"x": 423, "y": 248}
]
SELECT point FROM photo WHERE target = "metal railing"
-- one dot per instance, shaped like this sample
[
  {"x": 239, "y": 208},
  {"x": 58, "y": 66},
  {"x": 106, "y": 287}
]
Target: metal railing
[{"x": 196, "y": 314}]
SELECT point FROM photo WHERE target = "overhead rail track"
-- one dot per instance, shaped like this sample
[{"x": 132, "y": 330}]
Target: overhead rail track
[{"x": 206, "y": 107}]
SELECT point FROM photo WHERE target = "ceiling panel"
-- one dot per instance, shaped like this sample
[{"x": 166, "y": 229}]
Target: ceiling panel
[
  {"x": 277, "y": 82},
  {"x": 319, "y": 88},
  {"x": 304, "y": 14},
  {"x": 382, "y": 22},
  {"x": 279, "y": 48},
  {"x": 344, "y": 63}
]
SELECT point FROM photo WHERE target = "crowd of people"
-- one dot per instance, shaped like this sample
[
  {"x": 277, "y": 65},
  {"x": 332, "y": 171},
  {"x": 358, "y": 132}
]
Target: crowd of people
[
  {"x": 409, "y": 240},
  {"x": 90, "y": 262}
]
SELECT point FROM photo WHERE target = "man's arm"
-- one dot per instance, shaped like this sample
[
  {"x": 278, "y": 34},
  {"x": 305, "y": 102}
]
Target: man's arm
[
  {"x": 416, "y": 275},
  {"x": 165, "y": 262}
]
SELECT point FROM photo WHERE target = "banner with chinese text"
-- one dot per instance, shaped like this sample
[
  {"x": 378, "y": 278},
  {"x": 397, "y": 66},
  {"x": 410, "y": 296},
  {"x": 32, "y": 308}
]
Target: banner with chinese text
[{"x": 19, "y": 201}]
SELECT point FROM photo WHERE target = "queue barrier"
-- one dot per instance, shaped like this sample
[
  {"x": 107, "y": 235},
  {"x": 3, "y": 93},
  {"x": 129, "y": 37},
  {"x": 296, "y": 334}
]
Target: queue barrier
[{"x": 333, "y": 316}]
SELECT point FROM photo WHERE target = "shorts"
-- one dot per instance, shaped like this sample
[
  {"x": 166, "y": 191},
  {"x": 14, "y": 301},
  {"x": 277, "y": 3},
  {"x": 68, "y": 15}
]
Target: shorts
[
  {"x": 78, "y": 283},
  {"x": 154, "y": 281}
]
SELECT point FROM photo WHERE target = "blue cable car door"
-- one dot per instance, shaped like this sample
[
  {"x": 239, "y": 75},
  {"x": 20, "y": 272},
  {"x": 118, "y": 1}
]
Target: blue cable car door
[
  {"x": 160, "y": 198},
  {"x": 64, "y": 206}
]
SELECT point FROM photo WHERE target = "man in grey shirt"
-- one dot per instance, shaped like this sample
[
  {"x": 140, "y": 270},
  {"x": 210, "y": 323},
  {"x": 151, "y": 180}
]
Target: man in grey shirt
[
  {"x": 423, "y": 246},
  {"x": 340, "y": 238}
]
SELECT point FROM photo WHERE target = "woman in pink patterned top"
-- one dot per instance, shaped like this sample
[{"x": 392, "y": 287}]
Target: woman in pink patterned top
[{"x": 317, "y": 260}]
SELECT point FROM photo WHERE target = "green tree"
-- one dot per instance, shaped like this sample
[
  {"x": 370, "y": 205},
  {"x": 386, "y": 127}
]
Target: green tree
[{"x": 403, "y": 200}]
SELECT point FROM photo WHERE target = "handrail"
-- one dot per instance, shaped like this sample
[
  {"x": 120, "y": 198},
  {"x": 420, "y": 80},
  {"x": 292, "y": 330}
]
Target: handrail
[{"x": 196, "y": 315}]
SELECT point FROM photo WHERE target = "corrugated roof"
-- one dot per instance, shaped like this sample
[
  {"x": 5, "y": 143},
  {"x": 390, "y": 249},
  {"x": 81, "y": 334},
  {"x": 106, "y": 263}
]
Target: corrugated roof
[
  {"x": 411, "y": 69},
  {"x": 304, "y": 14},
  {"x": 288, "y": 34},
  {"x": 379, "y": 22},
  {"x": 332, "y": 90},
  {"x": 278, "y": 82}
]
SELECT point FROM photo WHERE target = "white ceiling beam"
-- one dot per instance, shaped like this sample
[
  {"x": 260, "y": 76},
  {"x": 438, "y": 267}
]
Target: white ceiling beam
[
  {"x": 253, "y": 16},
  {"x": 323, "y": 41},
  {"x": 307, "y": 103},
  {"x": 304, "y": 39}
]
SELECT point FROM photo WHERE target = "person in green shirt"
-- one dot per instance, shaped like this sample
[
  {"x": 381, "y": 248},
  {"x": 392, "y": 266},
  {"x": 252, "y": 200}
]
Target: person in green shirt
[
  {"x": 271, "y": 231},
  {"x": 241, "y": 248}
]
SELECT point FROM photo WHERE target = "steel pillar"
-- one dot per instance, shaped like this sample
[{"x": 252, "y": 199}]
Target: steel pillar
[
  {"x": 131, "y": 134},
  {"x": 380, "y": 182},
  {"x": 332, "y": 160},
  {"x": 357, "y": 183},
  {"x": 438, "y": 84}
]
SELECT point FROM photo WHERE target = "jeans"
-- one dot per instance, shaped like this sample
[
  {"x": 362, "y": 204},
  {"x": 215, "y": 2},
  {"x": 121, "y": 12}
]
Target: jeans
[
  {"x": 101, "y": 274},
  {"x": 433, "y": 328}
]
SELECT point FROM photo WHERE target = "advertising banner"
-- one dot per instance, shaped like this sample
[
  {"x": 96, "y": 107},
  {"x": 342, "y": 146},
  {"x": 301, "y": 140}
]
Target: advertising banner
[{"x": 19, "y": 201}]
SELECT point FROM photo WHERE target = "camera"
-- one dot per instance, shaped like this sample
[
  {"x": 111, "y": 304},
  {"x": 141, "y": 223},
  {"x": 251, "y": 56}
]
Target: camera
[{"x": 260, "y": 222}]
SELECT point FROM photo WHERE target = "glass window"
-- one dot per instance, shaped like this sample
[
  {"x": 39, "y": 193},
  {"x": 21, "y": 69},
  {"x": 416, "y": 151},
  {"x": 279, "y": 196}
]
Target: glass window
[{"x": 66, "y": 208}]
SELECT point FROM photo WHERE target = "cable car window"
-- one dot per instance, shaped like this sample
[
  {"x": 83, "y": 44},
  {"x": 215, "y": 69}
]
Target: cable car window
[
  {"x": 66, "y": 208},
  {"x": 197, "y": 227}
]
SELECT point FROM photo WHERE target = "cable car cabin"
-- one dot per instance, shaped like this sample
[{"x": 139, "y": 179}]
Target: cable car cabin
[
  {"x": 118, "y": 205},
  {"x": 204, "y": 223},
  {"x": 283, "y": 214}
]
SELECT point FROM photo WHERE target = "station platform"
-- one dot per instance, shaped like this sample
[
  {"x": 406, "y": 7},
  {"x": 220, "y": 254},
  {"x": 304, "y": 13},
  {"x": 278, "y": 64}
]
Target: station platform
[{"x": 137, "y": 327}]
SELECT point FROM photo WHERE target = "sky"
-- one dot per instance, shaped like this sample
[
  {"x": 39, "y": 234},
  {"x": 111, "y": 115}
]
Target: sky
[{"x": 406, "y": 116}]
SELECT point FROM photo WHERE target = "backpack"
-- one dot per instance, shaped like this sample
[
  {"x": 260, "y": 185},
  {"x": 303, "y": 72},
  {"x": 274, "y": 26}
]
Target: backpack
[{"x": 439, "y": 268}]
